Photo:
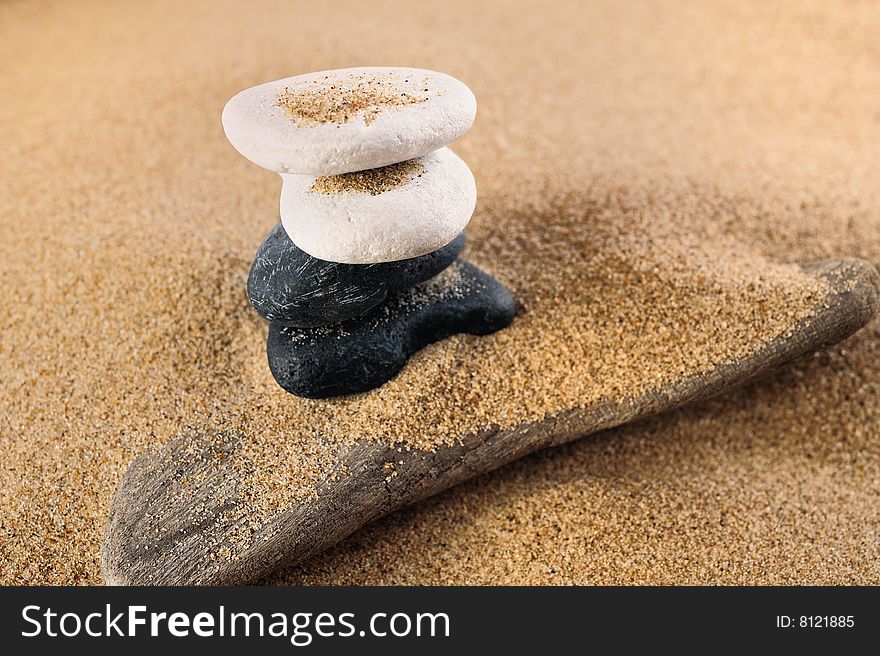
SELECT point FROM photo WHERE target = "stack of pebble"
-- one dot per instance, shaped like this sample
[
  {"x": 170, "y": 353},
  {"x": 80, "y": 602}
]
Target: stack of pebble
[{"x": 363, "y": 269}]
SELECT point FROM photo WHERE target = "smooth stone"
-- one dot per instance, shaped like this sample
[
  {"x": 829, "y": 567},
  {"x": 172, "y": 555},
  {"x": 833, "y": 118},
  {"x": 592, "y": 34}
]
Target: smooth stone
[
  {"x": 290, "y": 287},
  {"x": 373, "y": 135},
  {"x": 422, "y": 214},
  {"x": 363, "y": 353}
]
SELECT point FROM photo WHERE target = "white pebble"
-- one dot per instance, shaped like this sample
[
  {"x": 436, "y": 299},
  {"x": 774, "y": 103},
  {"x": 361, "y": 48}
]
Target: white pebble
[
  {"x": 432, "y": 205},
  {"x": 348, "y": 119}
]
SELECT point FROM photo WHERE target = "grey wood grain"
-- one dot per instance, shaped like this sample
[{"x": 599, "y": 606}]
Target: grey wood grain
[{"x": 177, "y": 519}]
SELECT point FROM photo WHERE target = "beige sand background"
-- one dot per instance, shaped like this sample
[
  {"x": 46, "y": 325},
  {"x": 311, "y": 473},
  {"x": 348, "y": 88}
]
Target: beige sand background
[{"x": 127, "y": 225}]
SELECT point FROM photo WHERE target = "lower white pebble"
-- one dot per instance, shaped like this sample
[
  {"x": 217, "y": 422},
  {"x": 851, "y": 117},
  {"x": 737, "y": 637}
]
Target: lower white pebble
[{"x": 335, "y": 219}]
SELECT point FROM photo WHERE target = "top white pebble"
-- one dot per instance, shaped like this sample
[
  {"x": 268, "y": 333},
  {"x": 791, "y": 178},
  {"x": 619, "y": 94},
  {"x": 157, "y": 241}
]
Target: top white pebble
[{"x": 349, "y": 119}]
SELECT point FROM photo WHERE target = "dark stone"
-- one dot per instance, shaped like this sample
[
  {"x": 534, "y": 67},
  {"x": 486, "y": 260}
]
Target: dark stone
[
  {"x": 290, "y": 287},
  {"x": 365, "y": 352}
]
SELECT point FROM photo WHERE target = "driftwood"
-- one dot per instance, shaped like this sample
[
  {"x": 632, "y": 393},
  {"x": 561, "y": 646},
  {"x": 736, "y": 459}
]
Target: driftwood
[{"x": 158, "y": 535}]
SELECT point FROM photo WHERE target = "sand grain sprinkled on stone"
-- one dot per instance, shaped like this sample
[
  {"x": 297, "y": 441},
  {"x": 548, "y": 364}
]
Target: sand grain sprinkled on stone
[
  {"x": 370, "y": 181},
  {"x": 339, "y": 100},
  {"x": 660, "y": 244}
]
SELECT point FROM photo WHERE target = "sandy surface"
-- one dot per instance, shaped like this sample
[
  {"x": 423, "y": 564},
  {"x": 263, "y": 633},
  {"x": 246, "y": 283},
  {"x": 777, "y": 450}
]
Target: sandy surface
[{"x": 664, "y": 133}]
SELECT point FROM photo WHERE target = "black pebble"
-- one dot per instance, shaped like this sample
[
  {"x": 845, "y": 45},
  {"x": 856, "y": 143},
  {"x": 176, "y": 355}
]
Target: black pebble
[
  {"x": 365, "y": 352},
  {"x": 290, "y": 287}
]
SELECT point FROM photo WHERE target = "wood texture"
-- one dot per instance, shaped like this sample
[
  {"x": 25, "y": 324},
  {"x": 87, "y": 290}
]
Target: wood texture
[{"x": 174, "y": 516}]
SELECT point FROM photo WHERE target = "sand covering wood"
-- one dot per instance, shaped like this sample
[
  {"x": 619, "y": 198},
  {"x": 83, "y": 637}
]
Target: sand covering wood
[{"x": 633, "y": 205}]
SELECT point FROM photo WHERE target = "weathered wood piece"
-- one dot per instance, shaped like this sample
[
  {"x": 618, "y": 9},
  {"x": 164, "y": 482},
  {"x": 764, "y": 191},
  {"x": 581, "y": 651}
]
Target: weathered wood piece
[{"x": 175, "y": 510}]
